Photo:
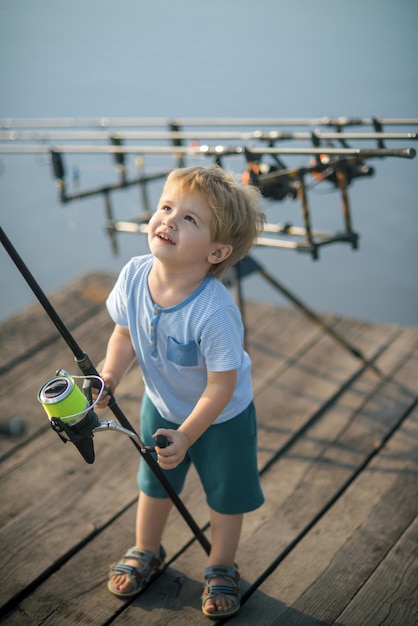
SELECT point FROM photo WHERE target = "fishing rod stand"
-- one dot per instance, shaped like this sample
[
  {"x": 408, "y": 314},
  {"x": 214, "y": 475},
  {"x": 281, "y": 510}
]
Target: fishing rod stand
[{"x": 249, "y": 265}]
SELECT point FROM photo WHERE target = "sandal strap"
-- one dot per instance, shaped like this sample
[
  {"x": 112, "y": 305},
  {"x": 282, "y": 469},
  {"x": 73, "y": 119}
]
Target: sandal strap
[
  {"x": 223, "y": 590},
  {"x": 145, "y": 559},
  {"x": 148, "y": 564},
  {"x": 122, "y": 569},
  {"x": 220, "y": 571}
]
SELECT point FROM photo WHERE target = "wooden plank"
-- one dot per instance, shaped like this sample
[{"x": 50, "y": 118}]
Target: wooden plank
[
  {"x": 77, "y": 592},
  {"x": 398, "y": 574},
  {"x": 63, "y": 517},
  {"x": 312, "y": 382},
  {"x": 329, "y": 566},
  {"x": 29, "y": 331}
]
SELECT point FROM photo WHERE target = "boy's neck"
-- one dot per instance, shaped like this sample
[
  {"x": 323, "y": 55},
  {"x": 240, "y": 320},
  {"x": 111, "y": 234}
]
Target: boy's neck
[{"x": 169, "y": 286}]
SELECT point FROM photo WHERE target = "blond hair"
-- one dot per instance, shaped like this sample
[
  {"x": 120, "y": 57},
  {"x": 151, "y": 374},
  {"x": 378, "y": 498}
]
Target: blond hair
[{"x": 237, "y": 212}]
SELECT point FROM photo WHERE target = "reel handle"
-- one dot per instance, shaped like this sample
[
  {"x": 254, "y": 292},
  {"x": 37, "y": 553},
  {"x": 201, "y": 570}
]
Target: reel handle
[{"x": 161, "y": 441}]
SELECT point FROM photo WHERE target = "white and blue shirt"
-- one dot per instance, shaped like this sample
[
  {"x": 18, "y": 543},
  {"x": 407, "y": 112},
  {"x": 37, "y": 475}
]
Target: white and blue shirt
[{"x": 178, "y": 345}]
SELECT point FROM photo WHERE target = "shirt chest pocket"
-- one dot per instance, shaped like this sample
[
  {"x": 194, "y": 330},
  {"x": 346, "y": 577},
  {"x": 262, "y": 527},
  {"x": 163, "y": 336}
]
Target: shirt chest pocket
[{"x": 184, "y": 354}]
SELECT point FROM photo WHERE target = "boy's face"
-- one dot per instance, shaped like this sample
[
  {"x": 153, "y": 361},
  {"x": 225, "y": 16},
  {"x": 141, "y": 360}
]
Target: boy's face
[{"x": 179, "y": 231}]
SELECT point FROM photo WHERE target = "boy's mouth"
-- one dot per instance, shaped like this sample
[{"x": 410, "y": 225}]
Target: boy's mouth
[{"x": 165, "y": 237}]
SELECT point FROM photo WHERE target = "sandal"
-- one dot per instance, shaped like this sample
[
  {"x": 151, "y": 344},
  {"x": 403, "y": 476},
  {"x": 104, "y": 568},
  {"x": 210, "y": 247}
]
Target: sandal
[
  {"x": 149, "y": 565},
  {"x": 230, "y": 591}
]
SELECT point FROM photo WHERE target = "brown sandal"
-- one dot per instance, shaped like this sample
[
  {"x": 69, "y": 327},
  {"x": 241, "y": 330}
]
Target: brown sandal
[
  {"x": 149, "y": 566},
  {"x": 230, "y": 590}
]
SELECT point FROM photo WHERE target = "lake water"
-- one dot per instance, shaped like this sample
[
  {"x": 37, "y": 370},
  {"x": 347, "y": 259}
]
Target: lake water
[{"x": 236, "y": 58}]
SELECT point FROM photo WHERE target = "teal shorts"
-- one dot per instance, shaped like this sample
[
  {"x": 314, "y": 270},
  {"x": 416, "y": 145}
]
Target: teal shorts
[{"x": 225, "y": 458}]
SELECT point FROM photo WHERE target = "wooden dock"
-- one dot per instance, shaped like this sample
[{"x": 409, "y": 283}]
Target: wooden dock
[{"x": 337, "y": 539}]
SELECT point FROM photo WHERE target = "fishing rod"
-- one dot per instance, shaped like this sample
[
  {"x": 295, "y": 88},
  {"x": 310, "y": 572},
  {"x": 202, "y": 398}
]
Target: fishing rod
[
  {"x": 105, "y": 122},
  {"x": 216, "y": 151},
  {"x": 321, "y": 166},
  {"x": 60, "y": 394},
  {"x": 271, "y": 135}
]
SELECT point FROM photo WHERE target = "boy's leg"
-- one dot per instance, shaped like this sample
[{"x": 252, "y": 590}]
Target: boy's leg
[
  {"x": 225, "y": 531},
  {"x": 151, "y": 517}
]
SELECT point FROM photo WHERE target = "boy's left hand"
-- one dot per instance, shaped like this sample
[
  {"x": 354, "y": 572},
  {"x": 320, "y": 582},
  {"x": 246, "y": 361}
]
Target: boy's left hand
[{"x": 169, "y": 457}]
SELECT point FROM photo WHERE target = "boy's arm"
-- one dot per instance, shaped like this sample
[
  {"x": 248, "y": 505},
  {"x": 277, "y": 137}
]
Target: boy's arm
[
  {"x": 218, "y": 392},
  {"x": 119, "y": 357}
]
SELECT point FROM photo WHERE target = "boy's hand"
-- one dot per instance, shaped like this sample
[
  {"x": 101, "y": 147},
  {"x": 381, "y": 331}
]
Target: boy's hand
[
  {"x": 169, "y": 457},
  {"x": 105, "y": 397}
]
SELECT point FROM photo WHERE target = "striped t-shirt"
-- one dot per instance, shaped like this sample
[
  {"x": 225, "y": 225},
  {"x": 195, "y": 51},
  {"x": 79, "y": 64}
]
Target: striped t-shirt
[{"x": 178, "y": 345}]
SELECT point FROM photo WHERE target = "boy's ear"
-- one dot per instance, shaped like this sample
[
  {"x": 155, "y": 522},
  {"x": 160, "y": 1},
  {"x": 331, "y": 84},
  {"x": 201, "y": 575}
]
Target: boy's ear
[{"x": 221, "y": 252}]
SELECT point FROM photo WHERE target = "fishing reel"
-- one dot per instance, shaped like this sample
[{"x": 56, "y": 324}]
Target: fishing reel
[
  {"x": 71, "y": 413},
  {"x": 331, "y": 172},
  {"x": 279, "y": 189}
]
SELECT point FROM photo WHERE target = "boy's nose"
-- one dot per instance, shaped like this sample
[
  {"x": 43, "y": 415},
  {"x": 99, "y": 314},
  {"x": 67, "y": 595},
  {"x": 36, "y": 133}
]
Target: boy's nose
[{"x": 169, "y": 220}]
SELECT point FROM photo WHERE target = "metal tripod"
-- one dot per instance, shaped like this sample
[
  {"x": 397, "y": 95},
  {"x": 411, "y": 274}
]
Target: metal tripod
[{"x": 249, "y": 265}]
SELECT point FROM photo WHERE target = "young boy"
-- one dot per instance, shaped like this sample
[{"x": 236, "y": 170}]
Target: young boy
[{"x": 174, "y": 316}]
